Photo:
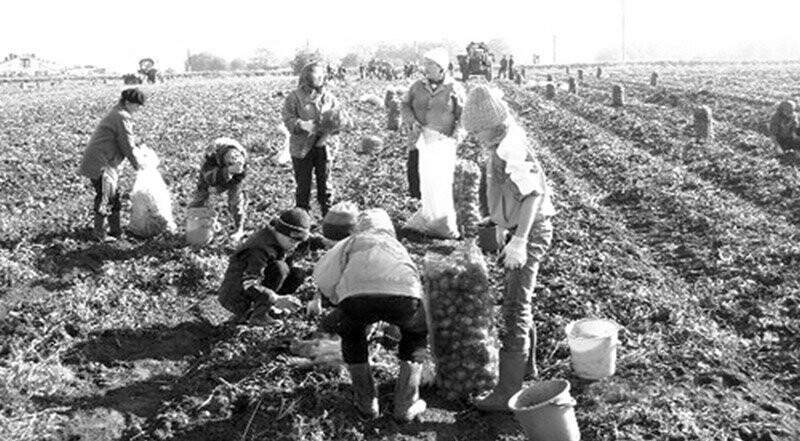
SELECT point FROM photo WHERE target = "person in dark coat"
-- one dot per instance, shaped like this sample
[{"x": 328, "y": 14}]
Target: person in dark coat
[
  {"x": 111, "y": 143},
  {"x": 260, "y": 273}
]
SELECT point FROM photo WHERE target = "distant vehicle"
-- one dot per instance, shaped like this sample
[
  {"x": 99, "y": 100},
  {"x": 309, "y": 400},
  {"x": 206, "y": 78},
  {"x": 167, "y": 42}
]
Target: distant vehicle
[
  {"x": 147, "y": 72},
  {"x": 477, "y": 61}
]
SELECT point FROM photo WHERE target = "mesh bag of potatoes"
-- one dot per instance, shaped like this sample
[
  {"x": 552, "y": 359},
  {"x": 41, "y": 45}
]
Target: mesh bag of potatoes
[
  {"x": 459, "y": 307},
  {"x": 466, "y": 197}
]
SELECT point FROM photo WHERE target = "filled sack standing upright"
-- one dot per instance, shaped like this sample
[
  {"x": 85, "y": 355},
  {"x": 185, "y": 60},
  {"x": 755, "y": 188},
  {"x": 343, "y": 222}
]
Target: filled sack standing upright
[
  {"x": 437, "y": 159},
  {"x": 151, "y": 203}
]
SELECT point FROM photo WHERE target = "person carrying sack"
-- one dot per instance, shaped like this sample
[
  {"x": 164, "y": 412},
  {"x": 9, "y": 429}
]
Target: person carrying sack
[
  {"x": 434, "y": 102},
  {"x": 111, "y": 143},
  {"x": 371, "y": 277},
  {"x": 519, "y": 203}
]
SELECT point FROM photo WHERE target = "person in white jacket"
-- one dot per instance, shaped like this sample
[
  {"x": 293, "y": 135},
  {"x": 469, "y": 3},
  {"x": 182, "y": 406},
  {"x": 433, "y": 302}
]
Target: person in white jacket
[
  {"x": 519, "y": 203},
  {"x": 371, "y": 277}
]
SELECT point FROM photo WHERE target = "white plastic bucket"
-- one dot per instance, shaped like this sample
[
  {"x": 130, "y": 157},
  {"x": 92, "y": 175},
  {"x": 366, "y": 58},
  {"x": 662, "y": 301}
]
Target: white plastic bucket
[
  {"x": 593, "y": 347},
  {"x": 546, "y": 411},
  {"x": 201, "y": 222}
]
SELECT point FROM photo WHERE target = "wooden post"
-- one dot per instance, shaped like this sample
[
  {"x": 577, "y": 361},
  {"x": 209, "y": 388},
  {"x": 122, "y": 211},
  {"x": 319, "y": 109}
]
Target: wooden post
[
  {"x": 566, "y": 69},
  {"x": 550, "y": 91},
  {"x": 580, "y": 75},
  {"x": 573, "y": 85},
  {"x": 703, "y": 123},
  {"x": 617, "y": 95},
  {"x": 599, "y": 71},
  {"x": 654, "y": 79}
]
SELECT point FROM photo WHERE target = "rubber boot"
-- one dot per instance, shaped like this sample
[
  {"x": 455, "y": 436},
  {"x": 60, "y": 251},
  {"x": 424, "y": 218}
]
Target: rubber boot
[
  {"x": 530, "y": 364},
  {"x": 99, "y": 229},
  {"x": 114, "y": 227},
  {"x": 238, "y": 228},
  {"x": 407, "y": 404},
  {"x": 512, "y": 371},
  {"x": 365, "y": 395}
]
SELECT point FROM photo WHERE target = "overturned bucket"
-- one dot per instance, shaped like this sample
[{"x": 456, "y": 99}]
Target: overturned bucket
[
  {"x": 546, "y": 411},
  {"x": 593, "y": 347}
]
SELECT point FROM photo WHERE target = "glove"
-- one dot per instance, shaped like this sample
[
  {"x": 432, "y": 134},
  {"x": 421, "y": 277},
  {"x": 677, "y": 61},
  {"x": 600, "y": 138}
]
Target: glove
[
  {"x": 515, "y": 253},
  {"x": 287, "y": 303},
  {"x": 314, "y": 307},
  {"x": 500, "y": 236},
  {"x": 307, "y": 126}
]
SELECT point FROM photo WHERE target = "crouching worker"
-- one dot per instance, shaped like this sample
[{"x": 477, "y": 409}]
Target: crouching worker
[
  {"x": 112, "y": 142},
  {"x": 260, "y": 274},
  {"x": 784, "y": 127},
  {"x": 371, "y": 277},
  {"x": 224, "y": 169}
]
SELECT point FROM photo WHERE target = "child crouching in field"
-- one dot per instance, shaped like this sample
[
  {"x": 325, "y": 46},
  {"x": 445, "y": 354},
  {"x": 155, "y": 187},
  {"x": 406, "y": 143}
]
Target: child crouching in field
[
  {"x": 784, "y": 127},
  {"x": 260, "y": 274},
  {"x": 371, "y": 277},
  {"x": 519, "y": 202},
  {"x": 224, "y": 169}
]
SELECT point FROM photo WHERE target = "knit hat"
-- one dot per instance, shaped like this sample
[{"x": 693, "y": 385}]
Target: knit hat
[
  {"x": 294, "y": 223},
  {"x": 483, "y": 109},
  {"x": 133, "y": 95},
  {"x": 786, "y": 107},
  {"x": 439, "y": 56},
  {"x": 340, "y": 221}
]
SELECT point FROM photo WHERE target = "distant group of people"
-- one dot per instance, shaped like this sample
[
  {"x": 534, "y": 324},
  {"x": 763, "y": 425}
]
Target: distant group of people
[{"x": 366, "y": 274}]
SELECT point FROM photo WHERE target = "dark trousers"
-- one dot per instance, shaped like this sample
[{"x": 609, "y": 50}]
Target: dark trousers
[
  {"x": 360, "y": 311},
  {"x": 412, "y": 171},
  {"x": 279, "y": 276},
  {"x": 314, "y": 165},
  {"x": 106, "y": 197}
]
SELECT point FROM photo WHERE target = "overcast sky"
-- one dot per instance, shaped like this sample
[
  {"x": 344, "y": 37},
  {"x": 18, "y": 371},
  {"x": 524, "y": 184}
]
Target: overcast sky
[{"x": 116, "y": 34}]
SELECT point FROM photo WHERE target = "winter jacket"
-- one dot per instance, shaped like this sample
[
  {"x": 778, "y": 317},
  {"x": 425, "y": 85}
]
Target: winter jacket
[
  {"x": 111, "y": 143},
  {"x": 247, "y": 264},
  {"x": 513, "y": 173},
  {"x": 214, "y": 172},
  {"x": 369, "y": 262},
  {"x": 305, "y": 103},
  {"x": 783, "y": 127},
  {"x": 438, "y": 109}
]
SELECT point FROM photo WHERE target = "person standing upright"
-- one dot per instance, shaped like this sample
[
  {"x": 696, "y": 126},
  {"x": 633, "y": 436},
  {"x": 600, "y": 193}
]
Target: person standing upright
[
  {"x": 310, "y": 149},
  {"x": 435, "y": 102}
]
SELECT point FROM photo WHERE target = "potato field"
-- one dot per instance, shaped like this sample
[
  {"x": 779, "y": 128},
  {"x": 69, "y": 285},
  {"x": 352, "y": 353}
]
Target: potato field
[{"x": 692, "y": 245}]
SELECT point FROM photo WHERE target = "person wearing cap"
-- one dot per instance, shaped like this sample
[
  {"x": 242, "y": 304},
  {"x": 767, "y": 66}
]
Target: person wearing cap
[
  {"x": 784, "y": 127},
  {"x": 435, "y": 102},
  {"x": 371, "y": 277},
  {"x": 510, "y": 67},
  {"x": 310, "y": 149},
  {"x": 260, "y": 274},
  {"x": 111, "y": 143},
  {"x": 223, "y": 169},
  {"x": 519, "y": 204}
]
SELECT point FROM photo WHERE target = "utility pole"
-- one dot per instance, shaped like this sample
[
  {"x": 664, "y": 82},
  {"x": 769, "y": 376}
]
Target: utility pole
[
  {"x": 554, "y": 49},
  {"x": 623, "y": 30}
]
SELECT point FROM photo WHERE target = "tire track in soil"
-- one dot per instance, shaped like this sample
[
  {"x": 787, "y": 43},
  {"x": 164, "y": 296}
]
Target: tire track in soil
[{"x": 732, "y": 252}]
